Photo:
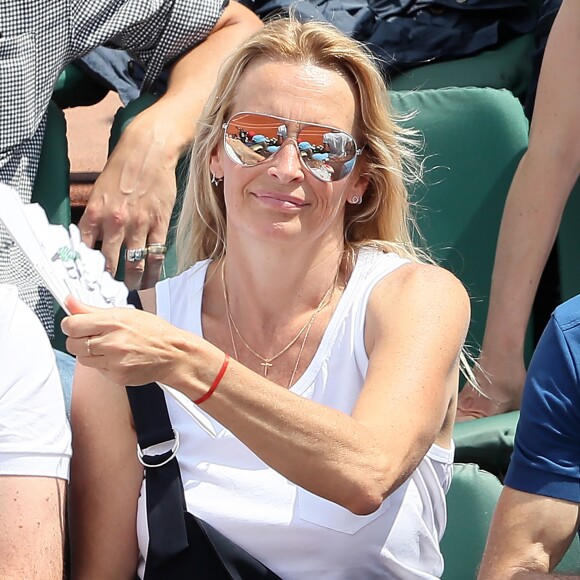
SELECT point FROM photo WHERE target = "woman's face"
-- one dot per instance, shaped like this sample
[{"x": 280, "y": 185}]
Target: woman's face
[{"x": 280, "y": 199}]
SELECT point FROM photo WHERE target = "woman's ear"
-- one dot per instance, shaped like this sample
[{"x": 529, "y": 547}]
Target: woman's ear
[
  {"x": 359, "y": 187},
  {"x": 215, "y": 164}
]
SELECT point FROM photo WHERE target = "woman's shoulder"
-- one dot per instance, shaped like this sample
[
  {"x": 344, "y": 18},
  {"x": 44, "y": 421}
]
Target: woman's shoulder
[
  {"x": 418, "y": 300},
  {"x": 420, "y": 286}
]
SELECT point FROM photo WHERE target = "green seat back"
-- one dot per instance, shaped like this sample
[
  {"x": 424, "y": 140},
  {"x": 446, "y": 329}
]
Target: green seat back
[
  {"x": 570, "y": 563},
  {"x": 489, "y": 442},
  {"x": 76, "y": 88},
  {"x": 122, "y": 118},
  {"x": 51, "y": 186},
  {"x": 474, "y": 139},
  {"x": 471, "y": 502},
  {"x": 568, "y": 244},
  {"x": 508, "y": 67}
]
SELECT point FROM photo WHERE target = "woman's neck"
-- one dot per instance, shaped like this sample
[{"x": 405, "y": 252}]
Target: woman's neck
[{"x": 271, "y": 285}]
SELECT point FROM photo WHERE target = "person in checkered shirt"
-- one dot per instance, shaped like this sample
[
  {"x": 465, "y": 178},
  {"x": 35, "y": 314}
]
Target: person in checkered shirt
[{"x": 131, "y": 202}]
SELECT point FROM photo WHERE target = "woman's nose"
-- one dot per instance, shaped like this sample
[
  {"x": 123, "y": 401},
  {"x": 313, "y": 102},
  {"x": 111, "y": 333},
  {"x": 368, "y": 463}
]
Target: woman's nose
[{"x": 286, "y": 164}]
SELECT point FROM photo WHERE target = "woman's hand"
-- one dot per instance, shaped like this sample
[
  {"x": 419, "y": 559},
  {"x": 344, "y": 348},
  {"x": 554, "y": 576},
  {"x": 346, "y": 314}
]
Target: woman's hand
[{"x": 129, "y": 347}]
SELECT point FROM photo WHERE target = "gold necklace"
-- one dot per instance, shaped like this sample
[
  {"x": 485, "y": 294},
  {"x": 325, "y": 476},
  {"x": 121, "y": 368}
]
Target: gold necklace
[
  {"x": 310, "y": 323},
  {"x": 266, "y": 363}
]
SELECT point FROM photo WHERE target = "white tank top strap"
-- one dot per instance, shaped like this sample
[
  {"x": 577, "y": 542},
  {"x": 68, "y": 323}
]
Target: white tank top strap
[
  {"x": 374, "y": 266},
  {"x": 171, "y": 293}
]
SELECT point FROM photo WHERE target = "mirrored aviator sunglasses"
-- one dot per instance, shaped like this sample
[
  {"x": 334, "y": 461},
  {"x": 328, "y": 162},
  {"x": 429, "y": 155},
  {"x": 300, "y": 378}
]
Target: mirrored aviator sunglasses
[{"x": 328, "y": 153}]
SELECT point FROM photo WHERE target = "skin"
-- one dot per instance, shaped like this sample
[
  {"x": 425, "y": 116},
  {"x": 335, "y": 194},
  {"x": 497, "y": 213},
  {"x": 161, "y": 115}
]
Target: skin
[
  {"x": 31, "y": 528},
  {"x": 132, "y": 200},
  {"x": 284, "y": 240},
  {"x": 528, "y": 536},
  {"x": 534, "y": 206},
  {"x": 32, "y": 507}
]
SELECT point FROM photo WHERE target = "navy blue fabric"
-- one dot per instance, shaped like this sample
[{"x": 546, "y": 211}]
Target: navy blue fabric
[
  {"x": 546, "y": 459},
  {"x": 112, "y": 68},
  {"x": 407, "y": 33},
  {"x": 401, "y": 33},
  {"x": 116, "y": 70}
]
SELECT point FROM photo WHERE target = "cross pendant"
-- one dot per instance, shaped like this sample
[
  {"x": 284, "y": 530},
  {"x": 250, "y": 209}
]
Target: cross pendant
[{"x": 266, "y": 364}]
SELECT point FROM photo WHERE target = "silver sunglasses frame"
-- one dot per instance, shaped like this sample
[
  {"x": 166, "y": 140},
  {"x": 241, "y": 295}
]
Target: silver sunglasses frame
[{"x": 358, "y": 150}]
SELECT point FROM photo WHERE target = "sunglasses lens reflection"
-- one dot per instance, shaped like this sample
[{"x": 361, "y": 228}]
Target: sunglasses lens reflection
[{"x": 328, "y": 153}]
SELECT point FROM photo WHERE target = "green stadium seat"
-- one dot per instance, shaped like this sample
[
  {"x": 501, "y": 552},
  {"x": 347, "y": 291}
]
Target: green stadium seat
[
  {"x": 471, "y": 501},
  {"x": 51, "y": 186},
  {"x": 123, "y": 117},
  {"x": 568, "y": 244},
  {"x": 489, "y": 442},
  {"x": 75, "y": 88},
  {"x": 473, "y": 141},
  {"x": 507, "y": 67}
]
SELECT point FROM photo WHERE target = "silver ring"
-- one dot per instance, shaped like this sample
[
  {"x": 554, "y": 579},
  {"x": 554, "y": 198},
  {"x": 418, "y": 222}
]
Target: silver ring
[
  {"x": 135, "y": 254},
  {"x": 157, "y": 248},
  {"x": 89, "y": 353}
]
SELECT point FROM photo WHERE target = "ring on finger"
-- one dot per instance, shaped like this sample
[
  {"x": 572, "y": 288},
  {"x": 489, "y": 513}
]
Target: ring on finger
[
  {"x": 156, "y": 248},
  {"x": 135, "y": 254},
  {"x": 89, "y": 353}
]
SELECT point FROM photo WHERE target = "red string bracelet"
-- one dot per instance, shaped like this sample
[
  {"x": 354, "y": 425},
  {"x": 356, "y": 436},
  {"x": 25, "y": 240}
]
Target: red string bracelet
[{"x": 216, "y": 381}]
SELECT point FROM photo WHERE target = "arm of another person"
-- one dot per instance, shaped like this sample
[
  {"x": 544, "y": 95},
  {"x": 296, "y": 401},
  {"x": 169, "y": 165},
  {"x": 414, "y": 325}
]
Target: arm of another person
[
  {"x": 534, "y": 206},
  {"x": 132, "y": 200},
  {"x": 31, "y": 527},
  {"x": 34, "y": 448},
  {"x": 415, "y": 327},
  {"x": 538, "y": 512},
  {"x": 529, "y": 535}
]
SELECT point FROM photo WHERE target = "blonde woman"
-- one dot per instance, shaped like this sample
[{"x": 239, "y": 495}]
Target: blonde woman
[{"x": 323, "y": 353}]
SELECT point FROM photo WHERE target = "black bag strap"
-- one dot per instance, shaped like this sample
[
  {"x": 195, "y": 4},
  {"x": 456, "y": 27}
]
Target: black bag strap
[
  {"x": 165, "y": 498},
  {"x": 181, "y": 546}
]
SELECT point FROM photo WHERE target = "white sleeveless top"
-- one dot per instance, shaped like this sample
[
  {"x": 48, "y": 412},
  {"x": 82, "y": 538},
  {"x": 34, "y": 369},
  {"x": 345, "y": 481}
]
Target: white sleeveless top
[{"x": 299, "y": 535}]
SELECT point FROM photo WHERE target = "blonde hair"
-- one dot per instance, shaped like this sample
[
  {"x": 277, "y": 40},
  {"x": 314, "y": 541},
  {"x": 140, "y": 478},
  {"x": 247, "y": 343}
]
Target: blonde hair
[{"x": 384, "y": 218}]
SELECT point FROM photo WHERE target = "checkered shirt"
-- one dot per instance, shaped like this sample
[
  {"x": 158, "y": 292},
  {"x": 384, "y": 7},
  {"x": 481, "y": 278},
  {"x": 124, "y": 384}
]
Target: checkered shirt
[{"x": 38, "y": 38}]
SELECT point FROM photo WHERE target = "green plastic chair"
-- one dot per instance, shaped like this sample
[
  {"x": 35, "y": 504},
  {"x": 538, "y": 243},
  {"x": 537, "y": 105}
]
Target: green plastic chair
[
  {"x": 471, "y": 501},
  {"x": 508, "y": 67},
  {"x": 51, "y": 187},
  {"x": 568, "y": 244},
  {"x": 122, "y": 118},
  {"x": 76, "y": 88},
  {"x": 570, "y": 563},
  {"x": 473, "y": 141},
  {"x": 489, "y": 442}
]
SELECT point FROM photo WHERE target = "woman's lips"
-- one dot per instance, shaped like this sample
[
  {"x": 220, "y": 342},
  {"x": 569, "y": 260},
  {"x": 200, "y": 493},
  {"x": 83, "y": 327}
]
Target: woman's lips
[{"x": 280, "y": 201}]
